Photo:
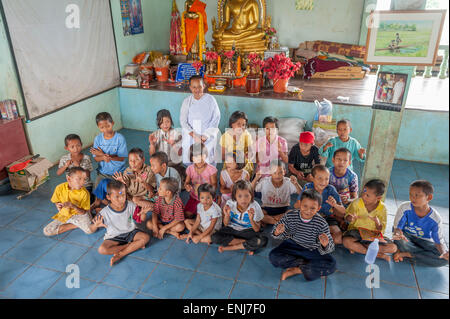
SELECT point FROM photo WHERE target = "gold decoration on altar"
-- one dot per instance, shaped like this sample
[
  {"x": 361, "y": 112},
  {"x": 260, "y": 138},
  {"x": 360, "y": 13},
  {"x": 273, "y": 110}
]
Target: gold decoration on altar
[
  {"x": 241, "y": 25},
  {"x": 304, "y": 4}
]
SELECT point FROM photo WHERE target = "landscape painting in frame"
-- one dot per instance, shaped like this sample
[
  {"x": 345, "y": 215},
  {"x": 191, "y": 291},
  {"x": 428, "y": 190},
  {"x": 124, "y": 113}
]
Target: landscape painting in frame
[{"x": 404, "y": 37}]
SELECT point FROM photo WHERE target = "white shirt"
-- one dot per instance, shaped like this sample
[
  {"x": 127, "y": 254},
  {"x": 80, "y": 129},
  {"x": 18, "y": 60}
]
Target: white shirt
[
  {"x": 118, "y": 223},
  {"x": 398, "y": 90},
  {"x": 275, "y": 197},
  {"x": 241, "y": 221},
  {"x": 205, "y": 216}
]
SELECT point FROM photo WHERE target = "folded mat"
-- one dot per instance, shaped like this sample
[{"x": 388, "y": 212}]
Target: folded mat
[{"x": 319, "y": 65}]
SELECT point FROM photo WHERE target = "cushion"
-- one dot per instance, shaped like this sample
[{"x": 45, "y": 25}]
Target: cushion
[{"x": 290, "y": 129}]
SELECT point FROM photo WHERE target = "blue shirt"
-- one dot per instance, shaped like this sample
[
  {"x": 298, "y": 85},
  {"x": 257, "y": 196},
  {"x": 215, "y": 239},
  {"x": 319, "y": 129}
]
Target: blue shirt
[
  {"x": 352, "y": 145},
  {"x": 328, "y": 191},
  {"x": 116, "y": 146},
  {"x": 428, "y": 227},
  {"x": 100, "y": 191}
]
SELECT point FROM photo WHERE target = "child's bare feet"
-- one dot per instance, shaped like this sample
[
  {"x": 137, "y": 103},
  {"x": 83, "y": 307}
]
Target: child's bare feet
[
  {"x": 184, "y": 236},
  {"x": 384, "y": 256},
  {"x": 290, "y": 272},
  {"x": 115, "y": 258},
  {"x": 220, "y": 249},
  {"x": 398, "y": 256},
  {"x": 250, "y": 253},
  {"x": 175, "y": 234},
  {"x": 351, "y": 251}
]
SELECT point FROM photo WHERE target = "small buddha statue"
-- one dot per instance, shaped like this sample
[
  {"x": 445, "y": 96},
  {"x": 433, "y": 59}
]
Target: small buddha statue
[{"x": 241, "y": 25}]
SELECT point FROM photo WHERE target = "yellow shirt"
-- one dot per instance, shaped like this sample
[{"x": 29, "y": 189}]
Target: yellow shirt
[
  {"x": 242, "y": 145},
  {"x": 78, "y": 197},
  {"x": 358, "y": 208}
]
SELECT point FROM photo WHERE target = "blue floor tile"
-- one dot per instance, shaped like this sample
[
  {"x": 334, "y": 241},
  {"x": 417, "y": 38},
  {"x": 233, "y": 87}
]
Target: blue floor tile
[
  {"x": 9, "y": 213},
  {"x": 399, "y": 273},
  {"x": 248, "y": 291},
  {"x": 60, "y": 256},
  {"x": 10, "y": 270},
  {"x": 185, "y": 255},
  {"x": 78, "y": 237},
  {"x": 224, "y": 264},
  {"x": 94, "y": 266},
  {"x": 299, "y": 286},
  {"x": 31, "y": 221},
  {"x": 155, "y": 250},
  {"x": 143, "y": 296},
  {"x": 433, "y": 295},
  {"x": 129, "y": 273},
  {"x": 109, "y": 292},
  {"x": 9, "y": 238},
  {"x": 61, "y": 291},
  {"x": 342, "y": 286},
  {"x": 204, "y": 286},
  {"x": 259, "y": 270},
  {"x": 167, "y": 282},
  {"x": 32, "y": 284},
  {"x": 349, "y": 263},
  {"x": 433, "y": 279},
  {"x": 388, "y": 291},
  {"x": 31, "y": 249}
]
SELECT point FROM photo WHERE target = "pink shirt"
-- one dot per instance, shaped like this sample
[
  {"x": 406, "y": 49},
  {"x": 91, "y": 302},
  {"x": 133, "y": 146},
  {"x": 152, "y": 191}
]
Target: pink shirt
[
  {"x": 202, "y": 178},
  {"x": 268, "y": 152}
]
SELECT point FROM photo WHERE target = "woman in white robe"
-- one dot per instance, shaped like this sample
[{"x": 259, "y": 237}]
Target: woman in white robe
[{"x": 199, "y": 119}]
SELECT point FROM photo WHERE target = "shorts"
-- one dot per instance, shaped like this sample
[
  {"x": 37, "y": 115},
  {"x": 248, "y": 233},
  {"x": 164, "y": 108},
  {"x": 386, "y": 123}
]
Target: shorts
[
  {"x": 82, "y": 221},
  {"x": 273, "y": 211},
  {"x": 355, "y": 234},
  {"x": 126, "y": 237}
]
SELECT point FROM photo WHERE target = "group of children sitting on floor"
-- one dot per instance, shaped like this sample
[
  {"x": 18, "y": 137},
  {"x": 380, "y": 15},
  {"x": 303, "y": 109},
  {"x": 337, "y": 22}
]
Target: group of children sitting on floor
[{"x": 329, "y": 209}]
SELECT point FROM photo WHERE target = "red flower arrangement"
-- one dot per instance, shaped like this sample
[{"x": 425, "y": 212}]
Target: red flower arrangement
[
  {"x": 229, "y": 54},
  {"x": 197, "y": 66},
  {"x": 211, "y": 55},
  {"x": 256, "y": 64},
  {"x": 280, "y": 67},
  {"x": 270, "y": 32}
]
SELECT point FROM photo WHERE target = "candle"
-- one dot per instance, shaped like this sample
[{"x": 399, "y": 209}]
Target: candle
[
  {"x": 238, "y": 72},
  {"x": 219, "y": 66}
]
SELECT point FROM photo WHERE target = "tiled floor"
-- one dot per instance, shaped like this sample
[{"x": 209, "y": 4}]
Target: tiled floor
[{"x": 33, "y": 266}]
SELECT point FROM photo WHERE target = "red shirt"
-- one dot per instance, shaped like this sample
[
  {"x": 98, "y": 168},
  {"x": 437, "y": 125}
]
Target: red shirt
[{"x": 171, "y": 211}]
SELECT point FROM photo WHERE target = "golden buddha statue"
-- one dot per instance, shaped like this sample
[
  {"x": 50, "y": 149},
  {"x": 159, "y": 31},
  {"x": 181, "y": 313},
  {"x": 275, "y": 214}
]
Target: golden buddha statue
[{"x": 241, "y": 24}]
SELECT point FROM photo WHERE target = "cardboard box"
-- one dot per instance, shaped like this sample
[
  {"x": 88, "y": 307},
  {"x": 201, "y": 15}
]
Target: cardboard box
[{"x": 31, "y": 176}]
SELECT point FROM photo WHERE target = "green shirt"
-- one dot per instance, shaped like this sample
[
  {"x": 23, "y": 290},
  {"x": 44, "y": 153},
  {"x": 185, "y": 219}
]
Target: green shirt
[{"x": 352, "y": 145}]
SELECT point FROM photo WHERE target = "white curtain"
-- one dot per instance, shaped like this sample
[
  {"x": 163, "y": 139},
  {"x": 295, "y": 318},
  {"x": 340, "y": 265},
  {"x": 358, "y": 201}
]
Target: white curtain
[{"x": 59, "y": 66}]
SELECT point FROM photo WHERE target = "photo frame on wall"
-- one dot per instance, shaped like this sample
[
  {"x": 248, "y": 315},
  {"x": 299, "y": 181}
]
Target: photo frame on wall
[
  {"x": 404, "y": 37},
  {"x": 390, "y": 91}
]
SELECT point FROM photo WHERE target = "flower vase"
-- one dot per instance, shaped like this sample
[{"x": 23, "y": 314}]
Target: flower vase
[{"x": 280, "y": 85}]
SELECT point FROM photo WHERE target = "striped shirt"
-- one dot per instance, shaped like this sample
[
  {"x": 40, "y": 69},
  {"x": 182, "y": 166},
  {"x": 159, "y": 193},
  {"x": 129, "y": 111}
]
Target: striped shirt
[
  {"x": 171, "y": 211},
  {"x": 305, "y": 234}
]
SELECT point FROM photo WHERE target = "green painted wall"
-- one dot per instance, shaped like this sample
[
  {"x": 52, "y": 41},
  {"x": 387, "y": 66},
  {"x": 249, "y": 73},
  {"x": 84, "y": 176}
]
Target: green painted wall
[{"x": 46, "y": 134}]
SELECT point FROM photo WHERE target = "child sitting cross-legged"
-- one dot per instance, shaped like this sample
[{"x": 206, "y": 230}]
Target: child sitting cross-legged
[
  {"x": 302, "y": 157},
  {"x": 167, "y": 215},
  {"x": 122, "y": 237},
  {"x": 209, "y": 217},
  {"x": 241, "y": 219},
  {"x": 307, "y": 241},
  {"x": 342, "y": 177},
  {"x": 276, "y": 191},
  {"x": 200, "y": 172},
  {"x": 331, "y": 208},
  {"x": 367, "y": 218},
  {"x": 233, "y": 171},
  {"x": 139, "y": 179},
  {"x": 418, "y": 228},
  {"x": 73, "y": 203}
]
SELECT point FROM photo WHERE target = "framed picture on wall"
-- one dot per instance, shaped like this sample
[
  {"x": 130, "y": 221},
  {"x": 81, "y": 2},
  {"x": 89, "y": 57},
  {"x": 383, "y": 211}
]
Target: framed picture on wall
[
  {"x": 390, "y": 91},
  {"x": 404, "y": 37}
]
